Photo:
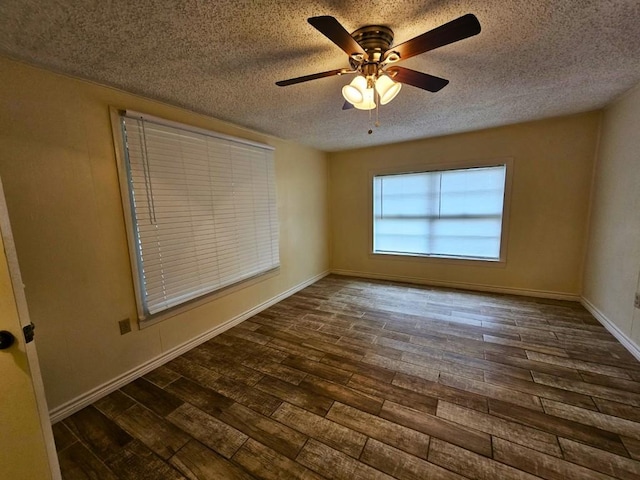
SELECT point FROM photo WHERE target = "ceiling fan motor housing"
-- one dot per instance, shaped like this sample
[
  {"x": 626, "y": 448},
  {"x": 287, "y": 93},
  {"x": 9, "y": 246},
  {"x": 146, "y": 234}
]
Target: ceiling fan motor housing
[{"x": 374, "y": 39}]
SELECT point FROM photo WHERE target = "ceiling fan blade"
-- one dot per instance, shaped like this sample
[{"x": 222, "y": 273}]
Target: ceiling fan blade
[
  {"x": 347, "y": 106},
  {"x": 306, "y": 78},
  {"x": 331, "y": 28},
  {"x": 417, "y": 79},
  {"x": 458, "y": 29}
]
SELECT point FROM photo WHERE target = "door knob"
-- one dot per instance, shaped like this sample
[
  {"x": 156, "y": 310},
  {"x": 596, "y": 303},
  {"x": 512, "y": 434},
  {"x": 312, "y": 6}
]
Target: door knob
[{"x": 6, "y": 339}]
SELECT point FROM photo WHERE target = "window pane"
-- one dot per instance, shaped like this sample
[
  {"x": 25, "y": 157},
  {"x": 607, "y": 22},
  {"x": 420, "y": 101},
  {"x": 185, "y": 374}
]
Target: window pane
[{"x": 450, "y": 213}]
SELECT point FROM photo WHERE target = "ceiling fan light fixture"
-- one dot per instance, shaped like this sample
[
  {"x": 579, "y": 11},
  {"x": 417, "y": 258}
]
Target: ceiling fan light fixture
[
  {"x": 354, "y": 92},
  {"x": 387, "y": 89},
  {"x": 368, "y": 102}
]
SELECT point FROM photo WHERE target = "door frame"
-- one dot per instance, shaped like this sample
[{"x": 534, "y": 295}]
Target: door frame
[{"x": 30, "y": 348}]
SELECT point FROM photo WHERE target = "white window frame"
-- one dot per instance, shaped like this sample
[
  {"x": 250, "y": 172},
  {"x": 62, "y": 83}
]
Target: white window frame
[
  {"x": 439, "y": 167},
  {"x": 144, "y": 318}
]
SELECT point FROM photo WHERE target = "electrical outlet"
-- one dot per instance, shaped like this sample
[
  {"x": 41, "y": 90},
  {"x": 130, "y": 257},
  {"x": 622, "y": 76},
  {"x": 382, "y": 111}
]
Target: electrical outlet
[
  {"x": 125, "y": 326},
  {"x": 636, "y": 303}
]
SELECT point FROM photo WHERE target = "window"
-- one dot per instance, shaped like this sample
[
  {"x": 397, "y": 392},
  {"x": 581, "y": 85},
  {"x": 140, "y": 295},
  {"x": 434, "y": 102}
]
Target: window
[
  {"x": 449, "y": 213},
  {"x": 203, "y": 210}
]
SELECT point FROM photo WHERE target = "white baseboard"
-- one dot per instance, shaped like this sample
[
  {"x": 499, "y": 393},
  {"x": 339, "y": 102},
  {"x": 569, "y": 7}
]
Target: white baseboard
[
  {"x": 463, "y": 286},
  {"x": 613, "y": 329},
  {"x": 78, "y": 403}
]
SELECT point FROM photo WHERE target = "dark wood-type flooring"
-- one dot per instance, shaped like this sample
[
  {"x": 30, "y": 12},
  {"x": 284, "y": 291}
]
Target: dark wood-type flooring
[{"x": 357, "y": 379}]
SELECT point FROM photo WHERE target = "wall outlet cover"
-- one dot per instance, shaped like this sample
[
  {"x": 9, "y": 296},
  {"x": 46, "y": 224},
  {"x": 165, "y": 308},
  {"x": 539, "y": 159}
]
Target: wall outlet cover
[{"x": 125, "y": 326}]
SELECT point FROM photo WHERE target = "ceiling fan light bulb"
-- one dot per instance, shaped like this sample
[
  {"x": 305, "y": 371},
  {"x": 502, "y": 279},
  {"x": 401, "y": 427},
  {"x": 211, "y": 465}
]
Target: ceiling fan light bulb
[
  {"x": 387, "y": 89},
  {"x": 368, "y": 102},
  {"x": 354, "y": 92}
]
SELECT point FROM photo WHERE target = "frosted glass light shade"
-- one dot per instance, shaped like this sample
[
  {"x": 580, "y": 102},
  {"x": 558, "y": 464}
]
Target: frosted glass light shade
[
  {"x": 354, "y": 92},
  {"x": 368, "y": 101},
  {"x": 387, "y": 89}
]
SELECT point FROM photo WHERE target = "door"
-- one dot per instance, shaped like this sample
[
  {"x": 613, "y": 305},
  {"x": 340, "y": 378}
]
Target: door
[{"x": 27, "y": 450}]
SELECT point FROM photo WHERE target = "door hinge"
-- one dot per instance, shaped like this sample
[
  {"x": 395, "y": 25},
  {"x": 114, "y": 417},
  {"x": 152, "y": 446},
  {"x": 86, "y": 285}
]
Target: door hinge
[{"x": 28, "y": 332}]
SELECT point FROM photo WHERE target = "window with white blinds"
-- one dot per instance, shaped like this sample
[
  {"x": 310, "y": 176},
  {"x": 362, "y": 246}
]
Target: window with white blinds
[
  {"x": 203, "y": 207},
  {"x": 450, "y": 213}
]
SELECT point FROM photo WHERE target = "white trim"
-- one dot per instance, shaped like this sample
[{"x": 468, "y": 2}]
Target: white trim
[
  {"x": 190, "y": 128},
  {"x": 613, "y": 329},
  {"x": 463, "y": 286},
  {"x": 72, "y": 406}
]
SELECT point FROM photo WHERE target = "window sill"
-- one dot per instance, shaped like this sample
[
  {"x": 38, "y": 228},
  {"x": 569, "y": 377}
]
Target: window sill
[{"x": 461, "y": 261}]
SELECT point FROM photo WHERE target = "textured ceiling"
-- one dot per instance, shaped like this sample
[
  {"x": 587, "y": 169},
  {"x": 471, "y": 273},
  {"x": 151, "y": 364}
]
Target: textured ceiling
[{"x": 533, "y": 59}]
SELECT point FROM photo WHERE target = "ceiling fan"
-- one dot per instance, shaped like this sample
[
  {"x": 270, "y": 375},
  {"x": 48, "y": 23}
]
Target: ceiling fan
[{"x": 373, "y": 59}]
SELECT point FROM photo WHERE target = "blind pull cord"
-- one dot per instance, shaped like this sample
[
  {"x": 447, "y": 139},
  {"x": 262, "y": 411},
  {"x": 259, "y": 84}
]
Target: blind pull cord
[{"x": 147, "y": 176}]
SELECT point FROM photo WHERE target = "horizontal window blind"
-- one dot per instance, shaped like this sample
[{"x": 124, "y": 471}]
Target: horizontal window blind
[
  {"x": 204, "y": 210},
  {"x": 455, "y": 213}
]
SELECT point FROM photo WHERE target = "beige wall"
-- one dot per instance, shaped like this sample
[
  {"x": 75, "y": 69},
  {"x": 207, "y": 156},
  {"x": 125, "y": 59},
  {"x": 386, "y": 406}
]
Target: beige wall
[
  {"x": 612, "y": 264},
  {"x": 553, "y": 161},
  {"x": 59, "y": 171}
]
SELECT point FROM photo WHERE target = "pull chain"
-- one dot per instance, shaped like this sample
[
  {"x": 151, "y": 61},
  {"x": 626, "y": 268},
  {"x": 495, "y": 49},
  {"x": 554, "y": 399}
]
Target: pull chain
[{"x": 377, "y": 123}]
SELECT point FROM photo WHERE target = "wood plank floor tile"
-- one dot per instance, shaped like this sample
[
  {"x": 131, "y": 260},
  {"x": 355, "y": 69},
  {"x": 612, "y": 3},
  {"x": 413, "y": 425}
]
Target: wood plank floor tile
[
  {"x": 193, "y": 371},
  {"x": 268, "y": 464},
  {"x": 602, "y": 439},
  {"x": 491, "y": 391},
  {"x": 273, "y": 434},
  {"x": 255, "y": 399},
  {"x": 160, "y": 436},
  {"x": 161, "y": 376},
  {"x": 250, "y": 348},
  {"x": 275, "y": 370},
  {"x": 361, "y": 368},
  {"x": 204, "y": 398},
  {"x": 78, "y": 463},
  {"x": 540, "y": 464},
  {"x": 535, "y": 347},
  {"x": 330, "y": 433},
  {"x": 436, "y": 390},
  {"x": 434, "y": 426},
  {"x": 357, "y": 398},
  {"x": 514, "y": 432},
  {"x": 210, "y": 431},
  {"x": 618, "y": 409},
  {"x": 137, "y": 462},
  {"x": 197, "y": 462},
  {"x": 395, "y": 393},
  {"x": 402, "y": 465},
  {"x": 334, "y": 465},
  {"x": 363, "y": 379},
  {"x": 610, "y": 423},
  {"x": 533, "y": 366},
  {"x": 62, "y": 436},
  {"x": 101, "y": 435},
  {"x": 401, "y": 366},
  {"x": 114, "y": 404},
  {"x": 613, "y": 382},
  {"x": 154, "y": 398},
  {"x": 633, "y": 447},
  {"x": 440, "y": 365},
  {"x": 208, "y": 357},
  {"x": 471, "y": 464},
  {"x": 579, "y": 365},
  {"x": 608, "y": 393},
  {"x": 608, "y": 463},
  {"x": 487, "y": 365},
  {"x": 298, "y": 395},
  {"x": 323, "y": 370},
  {"x": 409, "y": 440},
  {"x": 541, "y": 389}
]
